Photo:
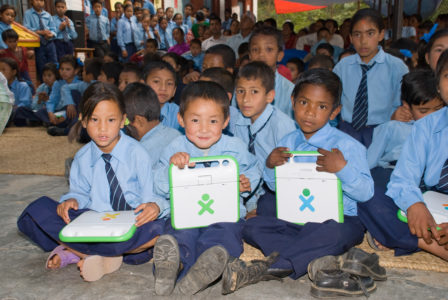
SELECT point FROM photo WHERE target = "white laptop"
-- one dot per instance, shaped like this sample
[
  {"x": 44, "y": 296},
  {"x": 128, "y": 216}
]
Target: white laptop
[{"x": 437, "y": 204}]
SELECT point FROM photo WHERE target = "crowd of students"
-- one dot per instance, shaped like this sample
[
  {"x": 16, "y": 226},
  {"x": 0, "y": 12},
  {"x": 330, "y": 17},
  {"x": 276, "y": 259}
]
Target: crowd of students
[{"x": 374, "y": 110}]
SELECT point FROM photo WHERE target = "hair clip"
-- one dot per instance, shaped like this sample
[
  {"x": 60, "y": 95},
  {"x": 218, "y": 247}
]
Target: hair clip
[
  {"x": 126, "y": 122},
  {"x": 406, "y": 53},
  {"x": 427, "y": 36},
  {"x": 79, "y": 62},
  {"x": 57, "y": 66}
]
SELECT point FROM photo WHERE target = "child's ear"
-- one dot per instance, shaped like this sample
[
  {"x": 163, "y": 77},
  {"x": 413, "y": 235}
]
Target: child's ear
[
  {"x": 230, "y": 95},
  {"x": 83, "y": 122},
  {"x": 180, "y": 120},
  {"x": 226, "y": 122},
  {"x": 280, "y": 55},
  {"x": 123, "y": 120},
  {"x": 270, "y": 96},
  {"x": 335, "y": 112},
  {"x": 381, "y": 35}
]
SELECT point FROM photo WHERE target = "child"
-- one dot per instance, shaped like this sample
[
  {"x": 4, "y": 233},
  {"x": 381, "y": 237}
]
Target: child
[
  {"x": 144, "y": 32},
  {"x": 422, "y": 166},
  {"x": 38, "y": 20},
  {"x": 65, "y": 30},
  {"x": 98, "y": 30},
  {"x": 296, "y": 67},
  {"x": 436, "y": 45},
  {"x": 118, "y": 6},
  {"x": 321, "y": 61},
  {"x": 165, "y": 36},
  {"x": 379, "y": 79},
  {"x": 151, "y": 46},
  {"x": 127, "y": 34},
  {"x": 266, "y": 45},
  {"x": 130, "y": 73},
  {"x": 95, "y": 184},
  {"x": 180, "y": 47},
  {"x": 179, "y": 22},
  {"x": 195, "y": 54},
  {"x": 7, "y": 16},
  {"x": 143, "y": 112},
  {"x": 110, "y": 72},
  {"x": 49, "y": 76},
  {"x": 420, "y": 96},
  {"x": 204, "y": 113},
  {"x": 316, "y": 100}
]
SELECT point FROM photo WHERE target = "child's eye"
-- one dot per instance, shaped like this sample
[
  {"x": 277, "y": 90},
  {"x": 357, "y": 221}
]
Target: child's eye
[
  {"x": 253, "y": 92},
  {"x": 214, "y": 121},
  {"x": 239, "y": 91},
  {"x": 302, "y": 102},
  {"x": 111, "y": 120},
  {"x": 94, "y": 119},
  {"x": 322, "y": 106},
  {"x": 194, "y": 120}
]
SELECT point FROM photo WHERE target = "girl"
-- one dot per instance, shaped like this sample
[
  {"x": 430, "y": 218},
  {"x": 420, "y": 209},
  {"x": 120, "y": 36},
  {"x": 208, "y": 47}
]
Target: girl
[
  {"x": 114, "y": 26},
  {"x": 181, "y": 67},
  {"x": 103, "y": 116},
  {"x": 234, "y": 27},
  {"x": 178, "y": 20},
  {"x": 181, "y": 47},
  {"x": 49, "y": 76},
  {"x": 110, "y": 73},
  {"x": 7, "y": 16},
  {"x": 436, "y": 45},
  {"x": 145, "y": 32},
  {"x": 374, "y": 96},
  {"x": 127, "y": 34},
  {"x": 165, "y": 35}
]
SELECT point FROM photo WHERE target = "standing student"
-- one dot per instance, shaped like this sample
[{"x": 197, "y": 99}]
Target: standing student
[
  {"x": 98, "y": 30},
  {"x": 127, "y": 34},
  {"x": 108, "y": 174},
  {"x": 65, "y": 30},
  {"x": 165, "y": 34},
  {"x": 118, "y": 6},
  {"x": 7, "y": 16},
  {"x": 374, "y": 96}
]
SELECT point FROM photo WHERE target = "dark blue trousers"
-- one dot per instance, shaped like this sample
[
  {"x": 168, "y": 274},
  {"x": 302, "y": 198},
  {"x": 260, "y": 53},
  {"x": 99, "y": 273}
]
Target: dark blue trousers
[
  {"x": 130, "y": 49},
  {"x": 40, "y": 222},
  {"x": 45, "y": 54},
  {"x": 379, "y": 216},
  {"x": 364, "y": 135},
  {"x": 193, "y": 242},
  {"x": 267, "y": 204},
  {"x": 63, "y": 48},
  {"x": 381, "y": 176},
  {"x": 298, "y": 245}
]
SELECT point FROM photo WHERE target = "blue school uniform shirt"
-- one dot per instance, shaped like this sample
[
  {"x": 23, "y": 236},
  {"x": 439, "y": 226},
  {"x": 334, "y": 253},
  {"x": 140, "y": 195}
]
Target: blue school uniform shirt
[
  {"x": 387, "y": 142},
  {"x": 226, "y": 145},
  {"x": 31, "y": 21},
  {"x": 197, "y": 60},
  {"x": 127, "y": 33},
  {"x": 132, "y": 166},
  {"x": 3, "y": 27},
  {"x": 383, "y": 83},
  {"x": 113, "y": 25},
  {"x": 66, "y": 91},
  {"x": 168, "y": 115},
  {"x": 54, "y": 103},
  {"x": 189, "y": 21},
  {"x": 22, "y": 93},
  {"x": 143, "y": 36},
  {"x": 72, "y": 35},
  {"x": 283, "y": 90},
  {"x": 148, "y": 5},
  {"x": 423, "y": 155},
  {"x": 40, "y": 89},
  {"x": 92, "y": 23},
  {"x": 155, "y": 140},
  {"x": 166, "y": 39},
  {"x": 357, "y": 184}
]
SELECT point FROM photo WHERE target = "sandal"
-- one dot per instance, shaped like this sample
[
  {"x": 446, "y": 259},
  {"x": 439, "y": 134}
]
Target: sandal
[
  {"x": 374, "y": 243},
  {"x": 66, "y": 257},
  {"x": 95, "y": 266}
]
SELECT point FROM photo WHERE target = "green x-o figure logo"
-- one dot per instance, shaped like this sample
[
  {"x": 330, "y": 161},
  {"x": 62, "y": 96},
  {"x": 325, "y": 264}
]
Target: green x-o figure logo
[{"x": 205, "y": 204}]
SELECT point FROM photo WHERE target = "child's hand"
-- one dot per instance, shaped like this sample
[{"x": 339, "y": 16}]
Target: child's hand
[
  {"x": 63, "y": 208},
  {"x": 42, "y": 97},
  {"x": 53, "y": 118},
  {"x": 331, "y": 161},
  {"x": 30, "y": 54},
  {"x": 244, "y": 184},
  {"x": 71, "y": 111},
  {"x": 278, "y": 157},
  {"x": 191, "y": 77},
  {"x": 62, "y": 26},
  {"x": 443, "y": 233},
  {"x": 149, "y": 212},
  {"x": 181, "y": 159},
  {"x": 124, "y": 53},
  {"x": 419, "y": 220},
  {"x": 251, "y": 214},
  {"x": 402, "y": 114}
]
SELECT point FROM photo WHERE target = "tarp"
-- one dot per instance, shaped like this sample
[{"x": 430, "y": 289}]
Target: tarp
[{"x": 284, "y": 7}]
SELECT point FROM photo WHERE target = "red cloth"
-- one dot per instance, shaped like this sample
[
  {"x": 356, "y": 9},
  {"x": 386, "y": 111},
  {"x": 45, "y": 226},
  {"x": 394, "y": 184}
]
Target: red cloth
[
  {"x": 137, "y": 58},
  {"x": 291, "y": 42},
  {"x": 23, "y": 64},
  {"x": 284, "y": 71},
  {"x": 285, "y": 7}
]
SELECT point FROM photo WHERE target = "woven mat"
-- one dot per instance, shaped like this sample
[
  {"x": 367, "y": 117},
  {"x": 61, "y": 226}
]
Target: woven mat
[
  {"x": 417, "y": 261},
  {"x": 32, "y": 151}
]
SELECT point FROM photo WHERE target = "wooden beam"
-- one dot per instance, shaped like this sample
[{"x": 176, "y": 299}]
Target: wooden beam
[
  {"x": 398, "y": 19},
  {"x": 419, "y": 7},
  {"x": 379, "y": 5}
]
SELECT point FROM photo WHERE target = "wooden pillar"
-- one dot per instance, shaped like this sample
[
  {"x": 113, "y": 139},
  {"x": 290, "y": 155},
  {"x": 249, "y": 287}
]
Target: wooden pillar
[
  {"x": 419, "y": 7},
  {"x": 379, "y": 5},
  {"x": 398, "y": 19}
]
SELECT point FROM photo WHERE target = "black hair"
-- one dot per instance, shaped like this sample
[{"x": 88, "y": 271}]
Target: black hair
[
  {"x": 112, "y": 55},
  {"x": 214, "y": 17},
  {"x": 258, "y": 70},
  {"x": 53, "y": 68},
  {"x": 189, "y": 5},
  {"x": 131, "y": 67},
  {"x": 200, "y": 16},
  {"x": 298, "y": 62},
  {"x": 118, "y": 4},
  {"x": 196, "y": 41},
  {"x": 150, "y": 57},
  {"x": 206, "y": 90},
  {"x": 404, "y": 43},
  {"x": 320, "y": 77},
  {"x": 59, "y": 1},
  {"x": 5, "y": 7},
  {"x": 271, "y": 21},
  {"x": 141, "y": 100},
  {"x": 139, "y": 1},
  {"x": 96, "y": 2},
  {"x": 335, "y": 23},
  {"x": 12, "y": 63},
  {"x": 176, "y": 57},
  {"x": 227, "y": 54},
  {"x": 268, "y": 31},
  {"x": 127, "y": 6},
  {"x": 161, "y": 19},
  {"x": 427, "y": 25},
  {"x": 419, "y": 87},
  {"x": 68, "y": 59},
  {"x": 289, "y": 24},
  {"x": 153, "y": 41},
  {"x": 346, "y": 51},
  {"x": 112, "y": 70},
  {"x": 177, "y": 14},
  {"x": 327, "y": 47},
  {"x": 157, "y": 65},
  {"x": 243, "y": 49},
  {"x": 138, "y": 9},
  {"x": 93, "y": 66},
  {"x": 368, "y": 13},
  {"x": 10, "y": 34},
  {"x": 323, "y": 29},
  {"x": 442, "y": 65},
  {"x": 180, "y": 29},
  {"x": 221, "y": 76},
  {"x": 437, "y": 35},
  {"x": 321, "y": 61}
]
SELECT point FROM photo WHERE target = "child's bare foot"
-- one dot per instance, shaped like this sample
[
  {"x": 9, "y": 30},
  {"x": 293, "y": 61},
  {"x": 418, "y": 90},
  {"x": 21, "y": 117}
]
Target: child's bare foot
[
  {"x": 54, "y": 262},
  {"x": 374, "y": 244},
  {"x": 93, "y": 267},
  {"x": 60, "y": 257}
]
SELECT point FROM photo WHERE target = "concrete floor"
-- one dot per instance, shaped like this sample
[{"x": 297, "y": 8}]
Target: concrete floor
[{"x": 23, "y": 275}]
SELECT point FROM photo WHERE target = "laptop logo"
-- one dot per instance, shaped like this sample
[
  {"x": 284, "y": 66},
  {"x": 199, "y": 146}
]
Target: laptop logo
[
  {"x": 306, "y": 199},
  {"x": 205, "y": 204}
]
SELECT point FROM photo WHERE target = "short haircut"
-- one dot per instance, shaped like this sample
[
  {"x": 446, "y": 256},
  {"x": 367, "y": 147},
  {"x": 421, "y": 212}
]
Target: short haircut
[
  {"x": 206, "y": 90},
  {"x": 268, "y": 31},
  {"x": 59, "y": 1},
  {"x": 150, "y": 57},
  {"x": 137, "y": 9},
  {"x": 350, "y": 51},
  {"x": 153, "y": 41},
  {"x": 131, "y": 67},
  {"x": 214, "y": 17},
  {"x": 335, "y": 23},
  {"x": 68, "y": 59},
  {"x": 5, "y": 7},
  {"x": 271, "y": 21},
  {"x": 158, "y": 65},
  {"x": 227, "y": 54},
  {"x": 321, "y": 61},
  {"x": 221, "y": 76},
  {"x": 323, "y": 29},
  {"x": 320, "y": 77},
  {"x": 404, "y": 43},
  {"x": 189, "y": 5},
  {"x": 93, "y": 66},
  {"x": 112, "y": 55},
  {"x": 53, "y": 68},
  {"x": 97, "y": 2},
  {"x": 196, "y": 41},
  {"x": 10, "y": 34},
  {"x": 419, "y": 87},
  {"x": 243, "y": 49},
  {"x": 298, "y": 62},
  {"x": 141, "y": 100},
  {"x": 327, "y": 47},
  {"x": 200, "y": 16},
  {"x": 118, "y": 4},
  {"x": 258, "y": 70},
  {"x": 112, "y": 70}
]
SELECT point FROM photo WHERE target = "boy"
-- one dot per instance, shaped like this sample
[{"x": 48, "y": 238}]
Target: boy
[
  {"x": 204, "y": 113},
  {"x": 151, "y": 46},
  {"x": 259, "y": 124},
  {"x": 266, "y": 45},
  {"x": 98, "y": 30},
  {"x": 195, "y": 54},
  {"x": 188, "y": 15},
  {"x": 316, "y": 100},
  {"x": 41, "y": 22},
  {"x": 143, "y": 112},
  {"x": 65, "y": 30},
  {"x": 321, "y": 61},
  {"x": 130, "y": 73}
]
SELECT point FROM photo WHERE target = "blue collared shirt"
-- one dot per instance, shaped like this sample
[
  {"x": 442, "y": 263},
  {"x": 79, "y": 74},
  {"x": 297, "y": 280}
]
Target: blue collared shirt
[
  {"x": 127, "y": 32},
  {"x": 383, "y": 85},
  {"x": 168, "y": 115},
  {"x": 283, "y": 92},
  {"x": 197, "y": 60},
  {"x": 3, "y": 27},
  {"x": 22, "y": 93},
  {"x": 92, "y": 26},
  {"x": 66, "y": 91},
  {"x": 189, "y": 21},
  {"x": 72, "y": 35},
  {"x": 148, "y": 5},
  {"x": 132, "y": 166},
  {"x": 113, "y": 25},
  {"x": 43, "y": 88},
  {"x": 54, "y": 103},
  {"x": 165, "y": 37},
  {"x": 143, "y": 36},
  {"x": 423, "y": 155},
  {"x": 248, "y": 163},
  {"x": 357, "y": 184},
  {"x": 387, "y": 142},
  {"x": 31, "y": 20},
  {"x": 155, "y": 140}
]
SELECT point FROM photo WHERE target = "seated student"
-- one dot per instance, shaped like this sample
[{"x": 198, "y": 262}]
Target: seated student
[
  {"x": 130, "y": 73},
  {"x": 296, "y": 67},
  {"x": 422, "y": 166},
  {"x": 195, "y": 54},
  {"x": 321, "y": 61},
  {"x": 259, "y": 124},
  {"x": 110, "y": 72},
  {"x": 49, "y": 76},
  {"x": 204, "y": 113},
  {"x": 143, "y": 113},
  {"x": 181, "y": 46},
  {"x": 110, "y": 57},
  {"x": 316, "y": 100},
  {"x": 151, "y": 46},
  {"x": 420, "y": 96},
  {"x": 181, "y": 66},
  {"x": 94, "y": 186},
  {"x": 65, "y": 30},
  {"x": 266, "y": 45},
  {"x": 7, "y": 16}
]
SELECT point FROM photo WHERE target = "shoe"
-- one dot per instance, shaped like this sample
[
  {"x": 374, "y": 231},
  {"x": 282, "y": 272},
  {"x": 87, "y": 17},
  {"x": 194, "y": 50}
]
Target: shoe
[
  {"x": 361, "y": 263},
  {"x": 56, "y": 131},
  {"x": 328, "y": 262},
  {"x": 96, "y": 266},
  {"x": 238, "y": 273},
  {"x": 166, "y": 264},
  {"x": 207, "y": 268},
  {"x": 335, "y": 283}
]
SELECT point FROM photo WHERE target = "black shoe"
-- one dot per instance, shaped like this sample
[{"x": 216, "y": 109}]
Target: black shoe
[
  {"x": 166, "y": 264},
  {"x": 361, "y": 263},
  {"x": 279, "y": 273},
  {"x": 56, "y": 131},
  {"x": 328, "y": 262},
  {"x": 207, "y": 268},
  {"x": 335, "y": 283},
  {"x": 238, "y": 273}
]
